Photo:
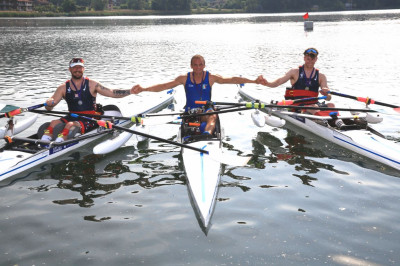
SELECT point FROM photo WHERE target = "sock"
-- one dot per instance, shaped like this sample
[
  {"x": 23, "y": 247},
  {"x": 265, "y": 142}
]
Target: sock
[
  {"x": 339, "y": 123},
  {"x": 46, "y": 137}
]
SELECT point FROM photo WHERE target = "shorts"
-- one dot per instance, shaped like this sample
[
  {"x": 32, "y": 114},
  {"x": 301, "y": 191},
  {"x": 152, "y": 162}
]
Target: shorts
[{"x": 86, "y": 125}]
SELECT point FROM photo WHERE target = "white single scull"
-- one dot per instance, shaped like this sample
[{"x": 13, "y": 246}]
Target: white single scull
[
  {"x": 23, "y": 153},
  {"x": 364, "y": 141},
  {"x": 203, "y": 172}
]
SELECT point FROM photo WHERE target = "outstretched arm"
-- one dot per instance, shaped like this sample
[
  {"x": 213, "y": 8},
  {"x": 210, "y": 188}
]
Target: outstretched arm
[
  {"x": 290, "y": 75},
  {"x": 113, "y": 93},
  {"x": 233, "y": 80},
  {"x": 160, "y": 87}
]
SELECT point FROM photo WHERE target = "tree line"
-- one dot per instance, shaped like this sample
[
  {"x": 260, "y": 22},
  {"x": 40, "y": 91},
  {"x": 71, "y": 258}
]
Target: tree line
[{"x": 256, "y": 6}]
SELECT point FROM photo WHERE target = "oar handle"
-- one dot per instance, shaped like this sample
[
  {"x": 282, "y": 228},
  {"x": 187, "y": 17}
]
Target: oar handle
[
  {"x": 214, "y": 113},
  {"x": 291, "y": 102}
]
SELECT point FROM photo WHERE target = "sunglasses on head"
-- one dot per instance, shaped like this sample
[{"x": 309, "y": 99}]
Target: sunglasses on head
[
  {"x": 311, "y": 51},
  {"x": 77, "y": 60}
]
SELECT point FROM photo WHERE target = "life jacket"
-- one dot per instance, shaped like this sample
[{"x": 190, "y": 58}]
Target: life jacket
[
  {"x": 80, "y": 100},
  {"x": 304, "y": 87},
  {"x": 197, "y": 92}
]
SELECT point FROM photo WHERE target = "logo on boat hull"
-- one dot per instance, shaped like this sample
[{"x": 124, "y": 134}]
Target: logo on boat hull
[{"x": 56, "y": 149}]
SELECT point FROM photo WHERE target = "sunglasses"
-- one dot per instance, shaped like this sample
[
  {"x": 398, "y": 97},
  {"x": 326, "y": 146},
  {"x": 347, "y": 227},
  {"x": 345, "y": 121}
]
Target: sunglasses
[
  {"x": 311, "y": 51},
  {"x": 77, "y": 60}
]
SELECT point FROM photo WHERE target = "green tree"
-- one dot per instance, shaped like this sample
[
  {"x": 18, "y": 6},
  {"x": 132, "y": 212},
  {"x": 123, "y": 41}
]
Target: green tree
[
  {"x": 99, "y": 5},
  {"x": 68, "y": 6}
]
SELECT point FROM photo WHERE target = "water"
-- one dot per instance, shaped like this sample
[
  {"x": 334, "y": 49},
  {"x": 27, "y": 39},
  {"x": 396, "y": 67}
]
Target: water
[{"x": 300, "y": 200}]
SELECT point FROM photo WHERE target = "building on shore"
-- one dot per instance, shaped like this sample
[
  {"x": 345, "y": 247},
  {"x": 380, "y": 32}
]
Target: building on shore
[{"x": 21, "y": 5}]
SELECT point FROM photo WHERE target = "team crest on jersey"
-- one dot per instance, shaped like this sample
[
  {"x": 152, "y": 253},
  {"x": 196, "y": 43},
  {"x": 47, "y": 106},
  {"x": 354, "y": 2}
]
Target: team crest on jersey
[{"x": 204, "y": 86}]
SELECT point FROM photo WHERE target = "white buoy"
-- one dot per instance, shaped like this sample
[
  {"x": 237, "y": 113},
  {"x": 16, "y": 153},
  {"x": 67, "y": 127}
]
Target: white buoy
[
  {"x": 308, "y": 25},
  {"x": 258, "y": 118}
]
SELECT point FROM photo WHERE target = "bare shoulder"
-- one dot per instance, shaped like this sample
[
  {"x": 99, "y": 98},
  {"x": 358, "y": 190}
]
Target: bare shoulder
[
  {"x": 293, "y": 72},
  {"x": 181, "y": 79},
  {"x": 214, "y": 77},
  {"x": 96, "y": 86}
]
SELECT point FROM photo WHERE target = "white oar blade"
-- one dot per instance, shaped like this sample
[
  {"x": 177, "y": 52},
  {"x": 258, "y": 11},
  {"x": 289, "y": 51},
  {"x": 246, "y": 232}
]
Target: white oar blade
[
  {"x": 274, "y": 121},
  {"x": 258, "y": 118},
  {"x": 229, "y": 159}
]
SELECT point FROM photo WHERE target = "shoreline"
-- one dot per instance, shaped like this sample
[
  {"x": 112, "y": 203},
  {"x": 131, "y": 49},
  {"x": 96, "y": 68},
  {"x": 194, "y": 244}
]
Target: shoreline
[
  {"x": 115, "y": 12},
  {"x": 129, "y": 12}
]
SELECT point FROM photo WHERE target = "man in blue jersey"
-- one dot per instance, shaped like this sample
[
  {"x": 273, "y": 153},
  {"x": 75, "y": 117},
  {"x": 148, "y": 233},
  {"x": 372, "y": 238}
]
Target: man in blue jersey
[
  {"x": 80, "y": 94},
  {"x": 198, "y": 85}
]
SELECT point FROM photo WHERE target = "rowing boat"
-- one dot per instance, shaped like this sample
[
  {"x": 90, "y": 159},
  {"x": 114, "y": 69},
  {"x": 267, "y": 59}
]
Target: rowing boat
[
  {"x": 362, "y": 140},
  {"x": 21, "y": 154},
  {"x": 203, "y": 173}
]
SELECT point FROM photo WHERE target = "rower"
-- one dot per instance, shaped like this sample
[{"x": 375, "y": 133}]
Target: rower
[
  {"x": 306, "y": 81},
  {"x": 198, "y": 86},
  {"x": 80, "y": 93}
]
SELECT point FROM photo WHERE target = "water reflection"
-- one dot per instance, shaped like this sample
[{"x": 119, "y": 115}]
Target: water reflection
[
  {"x": 94, "y": 177},
  {"x": 298, "y": 149}
]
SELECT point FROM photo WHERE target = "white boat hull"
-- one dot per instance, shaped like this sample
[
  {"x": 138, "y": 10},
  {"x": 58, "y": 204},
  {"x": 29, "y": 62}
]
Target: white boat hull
[
  {"x": 203, "y": 175},
  {"x": 361, "y": 141},
  {"x": 13, "y": 162}
]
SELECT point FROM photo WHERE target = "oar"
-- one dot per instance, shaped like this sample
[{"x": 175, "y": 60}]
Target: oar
[
  {"x": 216, "y": 156},
  {"x": 135, "y": 119},
  {"x": 9, "y": 139},
  {"x": 257, "y": 105},
  {"x": 260, "y": 105},
  {"x": 366, "y": 100},
  {"x": 291, "y": 102},
  {"x": 140, "y": 118},
  {"x": 21, "y": 110},
  {"x": 214, "y": 112},
  {"x": 108, "y": 124}
]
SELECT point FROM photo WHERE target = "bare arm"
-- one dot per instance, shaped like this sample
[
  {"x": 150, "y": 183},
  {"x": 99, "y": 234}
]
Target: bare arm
[
  {"x": 160, "y": 87},
  {"x": 290, "y": 75},
  {"x": 56, "y": 98},
  {"x": 323, "y": 83},
  {"x": 233, "y": 80},
  {"x": 96, "y": 87}
]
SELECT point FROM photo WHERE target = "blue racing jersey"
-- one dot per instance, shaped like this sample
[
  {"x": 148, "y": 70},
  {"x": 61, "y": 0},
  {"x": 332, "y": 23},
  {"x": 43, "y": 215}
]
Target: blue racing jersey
[{"x": 197, "y": 92}]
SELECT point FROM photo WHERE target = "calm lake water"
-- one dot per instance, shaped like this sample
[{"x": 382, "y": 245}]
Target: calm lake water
[{"x": 300, "y": 200}]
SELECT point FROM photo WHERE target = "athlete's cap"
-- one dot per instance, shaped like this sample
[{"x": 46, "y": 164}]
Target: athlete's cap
[
  {"x": 76, "y": 62},
  {"x": 311, "y": 51}
]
